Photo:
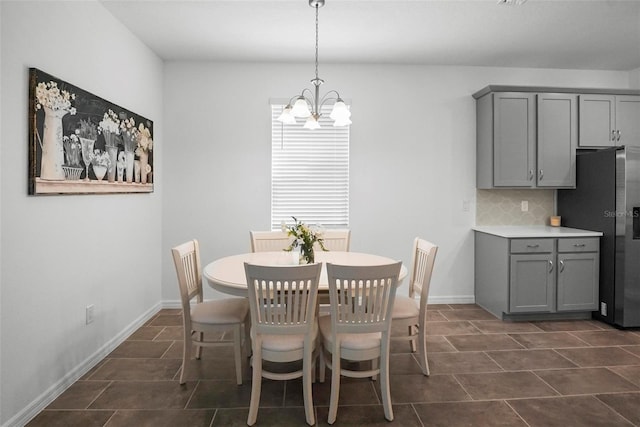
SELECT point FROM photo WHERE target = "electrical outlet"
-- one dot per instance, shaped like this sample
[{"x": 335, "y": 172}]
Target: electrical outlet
[
  {"x": 89, "y": 313},
  {"x": 603, "y": 308},
  {"x": 524, "y": 206}
]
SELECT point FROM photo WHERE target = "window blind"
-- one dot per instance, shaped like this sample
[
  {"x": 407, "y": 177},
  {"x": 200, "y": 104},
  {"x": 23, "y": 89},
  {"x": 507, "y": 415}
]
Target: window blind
[{"x": 309, "y": 172}]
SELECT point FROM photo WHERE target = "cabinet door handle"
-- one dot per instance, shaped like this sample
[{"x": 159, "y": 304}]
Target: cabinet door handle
[
  {"x": 533, "y": 246},
  {"x": 550, "y": 266},
  {"x": 579, "y": 245},
  {"x": 613, "y": 135},
  {"x": 530, "y": 174},
  {"x": 540, "y": 175},
  {"x": 618, "y": 133},
  {"x": 561, "y": 266}
]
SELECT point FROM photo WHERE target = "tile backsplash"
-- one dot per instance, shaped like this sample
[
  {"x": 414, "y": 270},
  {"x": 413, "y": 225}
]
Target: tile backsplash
[{"x": 503, "y": 207}]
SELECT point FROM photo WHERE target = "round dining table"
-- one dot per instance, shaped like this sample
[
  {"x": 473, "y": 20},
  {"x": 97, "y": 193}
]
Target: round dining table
[{"x": 227, "y": 274}]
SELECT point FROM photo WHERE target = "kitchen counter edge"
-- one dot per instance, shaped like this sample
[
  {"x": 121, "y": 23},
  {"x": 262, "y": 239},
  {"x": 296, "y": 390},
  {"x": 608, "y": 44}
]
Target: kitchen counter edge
[{"x": 540, "y": 231}]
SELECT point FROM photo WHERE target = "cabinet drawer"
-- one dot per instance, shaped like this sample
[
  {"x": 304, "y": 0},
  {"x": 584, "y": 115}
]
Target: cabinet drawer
[
  {"x": 527, "y": 246},
  {"x": 579, "y": 245}
]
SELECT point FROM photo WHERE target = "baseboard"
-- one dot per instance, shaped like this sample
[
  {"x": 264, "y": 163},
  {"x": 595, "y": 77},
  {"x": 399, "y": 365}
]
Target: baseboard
[
  {"x": 172, "y": 304},
  {"x": 462, "y": 299},
  {"x": 42, "y": 401}
]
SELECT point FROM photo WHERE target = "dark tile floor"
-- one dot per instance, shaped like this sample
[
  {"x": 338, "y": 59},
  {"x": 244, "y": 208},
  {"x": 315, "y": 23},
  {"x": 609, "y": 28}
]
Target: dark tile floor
[{"x": 484, "y": 372}]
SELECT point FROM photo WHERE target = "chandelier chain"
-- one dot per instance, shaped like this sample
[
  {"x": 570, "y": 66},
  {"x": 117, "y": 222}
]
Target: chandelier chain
[{"x": 316, "y": 41}]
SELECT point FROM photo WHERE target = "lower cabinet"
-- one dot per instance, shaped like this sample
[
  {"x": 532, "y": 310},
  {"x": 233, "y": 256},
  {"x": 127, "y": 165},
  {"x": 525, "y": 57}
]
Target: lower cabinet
[{"x": 529, "y": 276}]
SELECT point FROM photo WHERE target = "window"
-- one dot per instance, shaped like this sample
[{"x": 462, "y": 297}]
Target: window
[{"x": 309, "y": 172}]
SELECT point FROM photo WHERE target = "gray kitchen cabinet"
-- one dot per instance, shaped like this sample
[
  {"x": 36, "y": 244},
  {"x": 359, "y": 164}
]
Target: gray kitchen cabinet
[
  {"x": 578, "y": 273},
  {"x": 609, "y": 120},
  {"x": 531, "y": 283},
  {"x": 506, "y": 140},
  {"x": 557, "y": 139},
  {"x": 526, "y": 140},
  {"x": 536, "y": 278}
]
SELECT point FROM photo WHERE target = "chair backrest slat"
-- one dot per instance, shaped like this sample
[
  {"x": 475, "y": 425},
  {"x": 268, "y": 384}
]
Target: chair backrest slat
[
  {"x": 269, "y": 241},
  {"x": 336, "y": 240},
  {"x": 424, "y": 256},
  {"x": 362, "y": 296},
  {"x": 282, "y": 299},
  {"x": 186, "y": 258}
]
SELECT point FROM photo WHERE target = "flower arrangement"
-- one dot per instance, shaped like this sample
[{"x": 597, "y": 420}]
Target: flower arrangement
[
  {"x": 305, "y": 238},
  {"x": 109, "y": 127},
  {"x": 87, "y": 130},
  {"x": 145, "y": 143},
  {"x": 129, "y": 134},
  {"x": 48, "y": 95},
  {"x": 72, "y": 149},
  {"x": 100, "y": 158}
]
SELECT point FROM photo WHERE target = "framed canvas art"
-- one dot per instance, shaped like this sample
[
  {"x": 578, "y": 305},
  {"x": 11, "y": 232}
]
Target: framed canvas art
[{"x": 80, "y": 143}]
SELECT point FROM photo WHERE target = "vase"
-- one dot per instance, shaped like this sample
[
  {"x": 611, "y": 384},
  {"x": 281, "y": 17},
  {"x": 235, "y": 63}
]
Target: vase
[
  {"x": 144, "y": 162},
  {"x": 52, "y": 148},
  {"x": 100, "y": 171},
  {"x": 113, "y": 157},
  {"x": 306, "y": 255},
  {"x": 87, "y": 154},
  {"x": 129, "y": 158}
]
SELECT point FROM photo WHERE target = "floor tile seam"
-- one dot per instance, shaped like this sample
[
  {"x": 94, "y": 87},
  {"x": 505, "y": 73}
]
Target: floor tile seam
[
  {"x": 637, "y": 385},
  {"x": 193, "y": 392},
  {"x": 213, "y": 418},
  {"x": 516, "y": 412},
  {"x": 630, "y": 352},
  {"x": 545, "y": 382},
  {"x": 455, "y": 378},
  {"x": 614, "y": 410},
  {"x": 495, "y": 361},
  {"x": 577, "y": 337},
  {"x": 415, "y": 412},
  {"x": 100, "y": 394}
]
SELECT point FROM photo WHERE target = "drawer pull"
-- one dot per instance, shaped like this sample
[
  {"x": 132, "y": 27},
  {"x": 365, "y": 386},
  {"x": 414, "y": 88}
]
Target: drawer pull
[
  {"x": 533, "y": 246},
  {"x": 579, "y": 245}
]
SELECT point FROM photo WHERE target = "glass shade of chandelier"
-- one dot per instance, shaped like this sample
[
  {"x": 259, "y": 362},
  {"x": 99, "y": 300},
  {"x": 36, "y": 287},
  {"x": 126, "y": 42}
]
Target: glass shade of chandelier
[{"x": 309, "y": 103}]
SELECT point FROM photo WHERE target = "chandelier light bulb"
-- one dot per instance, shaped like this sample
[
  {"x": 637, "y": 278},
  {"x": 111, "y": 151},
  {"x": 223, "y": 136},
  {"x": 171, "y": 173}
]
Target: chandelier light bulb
[
  {"x": 340, "y": 111},
  {"x": 301, "y": 108},
  {"x": 312, "y": 123},
  {"x": 286, "y": 117}
]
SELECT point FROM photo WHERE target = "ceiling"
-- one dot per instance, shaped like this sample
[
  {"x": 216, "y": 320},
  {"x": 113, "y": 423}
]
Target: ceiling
[{"x": 587, "y": 34}]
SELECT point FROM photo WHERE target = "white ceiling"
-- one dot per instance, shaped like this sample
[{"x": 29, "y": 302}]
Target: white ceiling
[{"x": 587, "y": 34}]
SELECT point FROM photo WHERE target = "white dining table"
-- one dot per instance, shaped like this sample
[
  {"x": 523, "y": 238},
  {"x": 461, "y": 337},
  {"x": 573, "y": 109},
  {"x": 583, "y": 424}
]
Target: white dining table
[{"x": 227, "y": 274}]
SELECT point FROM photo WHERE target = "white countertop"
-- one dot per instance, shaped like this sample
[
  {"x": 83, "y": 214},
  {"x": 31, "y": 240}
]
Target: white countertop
[{"x": 516, "y": 231}]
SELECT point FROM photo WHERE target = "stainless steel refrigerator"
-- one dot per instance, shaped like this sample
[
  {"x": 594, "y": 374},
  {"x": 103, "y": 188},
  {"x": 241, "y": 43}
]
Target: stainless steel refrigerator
[{"x": 607, "y": 199}]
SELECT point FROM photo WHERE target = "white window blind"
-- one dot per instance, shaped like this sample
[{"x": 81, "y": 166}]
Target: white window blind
[{"x": 309, "y": 172}]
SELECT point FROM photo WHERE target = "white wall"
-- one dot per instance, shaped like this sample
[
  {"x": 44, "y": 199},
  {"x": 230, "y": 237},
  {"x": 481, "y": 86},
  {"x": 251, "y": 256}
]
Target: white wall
[
  {"x": 634, "y": 78},
  {"x": 412, "y": 155},
  {"x": 61, "y": 253}
]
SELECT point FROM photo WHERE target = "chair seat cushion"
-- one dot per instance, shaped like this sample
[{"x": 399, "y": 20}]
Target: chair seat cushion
[
  {"x": 220, "y": 312},
  {"x": 405, "y": 308},
  {"x": 348, "y": 341},
  {"x": 287, "y": 342}
]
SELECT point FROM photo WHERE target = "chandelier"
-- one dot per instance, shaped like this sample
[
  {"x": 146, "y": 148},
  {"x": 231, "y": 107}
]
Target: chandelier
[{"x": 309, "y": 104}]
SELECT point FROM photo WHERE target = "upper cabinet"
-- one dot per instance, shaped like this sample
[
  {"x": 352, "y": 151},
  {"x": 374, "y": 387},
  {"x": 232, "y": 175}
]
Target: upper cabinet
[
  {"x": 609, "y": 121},
  {"x": 527, "y": 136},
  {"x": 557, "y": 139},
  {"x": 526, "y": 140}
]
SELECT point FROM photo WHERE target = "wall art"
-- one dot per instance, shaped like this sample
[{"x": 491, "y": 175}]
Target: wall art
[{"x": 80, "y": 143}]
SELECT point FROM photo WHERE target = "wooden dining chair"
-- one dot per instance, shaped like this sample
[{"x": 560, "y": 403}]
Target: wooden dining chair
[
  {"x": 206, "y": 317},
  {"x": 409, "y": 314},
  {"x": 284, "y": 328},
  {"x": 269, "y": 241},
  {"x": 358, "y": 329},
  {"x": 336, "y": 240}
]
